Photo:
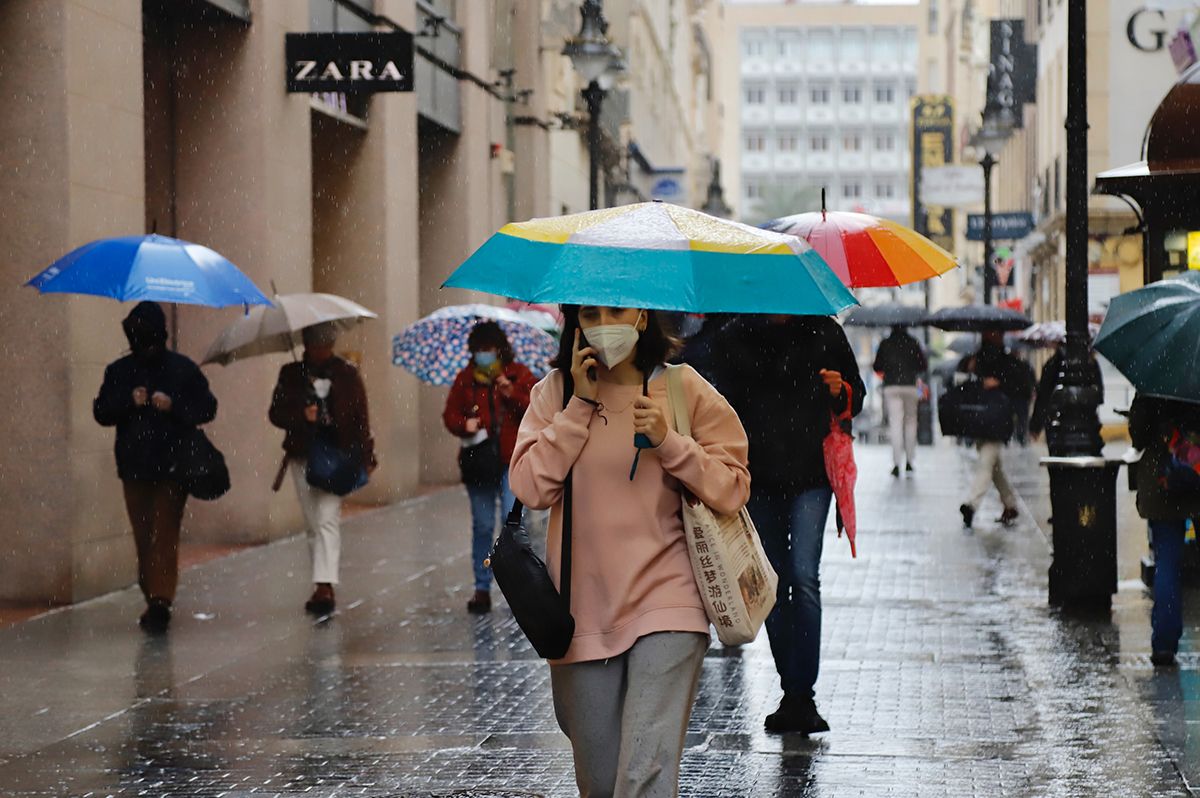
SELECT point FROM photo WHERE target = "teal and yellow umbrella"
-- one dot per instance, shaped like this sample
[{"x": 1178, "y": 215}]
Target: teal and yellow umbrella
[{"x": 657, "y": 256}]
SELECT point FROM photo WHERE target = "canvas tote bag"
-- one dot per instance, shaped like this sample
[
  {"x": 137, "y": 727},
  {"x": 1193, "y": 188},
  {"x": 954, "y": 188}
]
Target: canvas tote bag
[{"x": 736, "y": 581}]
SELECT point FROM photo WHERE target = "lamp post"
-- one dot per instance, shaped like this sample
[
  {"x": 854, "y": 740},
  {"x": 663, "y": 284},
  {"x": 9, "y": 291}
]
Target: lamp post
[
  {"x": 598, "y": 62},
  {"x": 1083, "y": 573},
  {"x": 715, "y": 204},
  {"x": 992, "y": 134}
]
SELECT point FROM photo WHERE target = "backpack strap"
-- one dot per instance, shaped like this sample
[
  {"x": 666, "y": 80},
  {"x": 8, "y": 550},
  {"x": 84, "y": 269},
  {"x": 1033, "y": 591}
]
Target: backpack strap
[{"x": 677, "y": 397}]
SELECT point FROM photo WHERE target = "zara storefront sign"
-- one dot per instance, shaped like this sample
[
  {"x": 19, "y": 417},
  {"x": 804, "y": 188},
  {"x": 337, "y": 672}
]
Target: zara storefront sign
[{"x": 349, "y": 62}]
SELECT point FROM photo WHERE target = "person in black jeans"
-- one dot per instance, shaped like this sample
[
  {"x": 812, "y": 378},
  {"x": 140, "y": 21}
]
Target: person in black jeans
[
  {"x": 155, "y": 398},
  {"x": 785, "y": 375}
]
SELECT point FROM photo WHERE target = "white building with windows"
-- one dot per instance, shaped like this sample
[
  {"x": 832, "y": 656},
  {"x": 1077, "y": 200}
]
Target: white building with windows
[{"x": 817, "y": 97}]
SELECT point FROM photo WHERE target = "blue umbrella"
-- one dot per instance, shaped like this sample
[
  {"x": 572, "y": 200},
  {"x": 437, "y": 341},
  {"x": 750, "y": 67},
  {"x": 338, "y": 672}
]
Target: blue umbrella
[
  {"x": 154, "y": 268},
  {"x": 1152, "y": 336},
  {"x": 654, "y": 255}
]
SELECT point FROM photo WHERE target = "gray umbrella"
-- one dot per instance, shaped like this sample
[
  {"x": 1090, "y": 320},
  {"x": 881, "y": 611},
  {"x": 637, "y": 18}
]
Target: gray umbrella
[
  {"x": 889, "y": 314},
  {"x": 978, "y": 318}
]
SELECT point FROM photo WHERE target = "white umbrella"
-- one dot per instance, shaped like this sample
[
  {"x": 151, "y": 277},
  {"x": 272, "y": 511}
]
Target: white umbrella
[{"x": 277, "y": 328}]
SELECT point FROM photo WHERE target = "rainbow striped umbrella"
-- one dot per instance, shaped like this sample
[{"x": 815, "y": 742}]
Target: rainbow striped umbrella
[
  {"x": 866, "y": 251},
  {"x": 658, "y": 256}
]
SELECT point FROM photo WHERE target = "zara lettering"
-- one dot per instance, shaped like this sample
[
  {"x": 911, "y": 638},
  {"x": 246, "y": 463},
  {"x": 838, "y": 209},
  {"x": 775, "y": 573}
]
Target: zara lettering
[{"x": 359, "y": 70}]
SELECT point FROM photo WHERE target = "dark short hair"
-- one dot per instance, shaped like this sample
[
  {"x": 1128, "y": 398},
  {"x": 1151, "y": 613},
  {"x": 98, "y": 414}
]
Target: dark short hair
[
  {"x": 490, "y": 335},
  {"x": 654, "y": 347}
]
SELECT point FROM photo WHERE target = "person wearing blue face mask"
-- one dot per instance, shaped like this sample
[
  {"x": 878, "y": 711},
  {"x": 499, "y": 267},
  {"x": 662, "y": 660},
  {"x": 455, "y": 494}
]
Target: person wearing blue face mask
[{"x": 484, "y": 409}]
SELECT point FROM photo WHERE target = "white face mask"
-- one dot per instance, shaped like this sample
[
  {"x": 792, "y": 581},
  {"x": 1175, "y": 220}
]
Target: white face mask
[{"x": 613, "y": 342}]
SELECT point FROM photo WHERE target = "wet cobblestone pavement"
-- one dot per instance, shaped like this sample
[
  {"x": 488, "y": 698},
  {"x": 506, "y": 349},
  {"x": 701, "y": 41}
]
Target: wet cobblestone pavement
[{"x": 944, "y": 674}]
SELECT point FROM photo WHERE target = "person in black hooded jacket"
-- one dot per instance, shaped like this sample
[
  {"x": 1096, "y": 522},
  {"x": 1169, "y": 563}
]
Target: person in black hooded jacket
[
  {"x": 155, "y": 398},
  {"x": 785, "y": 376}
]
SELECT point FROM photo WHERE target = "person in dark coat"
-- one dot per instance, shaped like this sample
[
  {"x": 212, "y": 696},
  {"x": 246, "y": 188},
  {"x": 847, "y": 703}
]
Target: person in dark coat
[
  {"x": 785, "y": 376},
  {"x": 485, "y": 407},
  {"x": 901, "y": 361},
  {"x": 1041, "y": 416},
  {"x": 998, "y": 370},
  {"x": 155, "y": 398},
  {"x": 1153, "y": 424},
  {"x": 322, "y": 390}
]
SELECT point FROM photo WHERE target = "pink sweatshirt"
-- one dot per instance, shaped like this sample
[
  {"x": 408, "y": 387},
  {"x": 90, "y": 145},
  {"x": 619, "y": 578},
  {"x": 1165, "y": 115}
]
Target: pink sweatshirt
[{"x": 630, "y": 572}]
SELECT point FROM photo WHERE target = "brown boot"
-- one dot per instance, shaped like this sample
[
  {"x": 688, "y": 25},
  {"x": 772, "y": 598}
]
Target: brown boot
[{"x": 480, "y": 603}]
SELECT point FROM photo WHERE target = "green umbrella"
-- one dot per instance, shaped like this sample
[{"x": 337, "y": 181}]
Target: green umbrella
[{"x": 1152, "y": 335}]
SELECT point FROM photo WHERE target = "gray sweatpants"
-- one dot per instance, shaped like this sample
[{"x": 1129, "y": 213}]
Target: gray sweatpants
[{"x": 627, "y": 716}]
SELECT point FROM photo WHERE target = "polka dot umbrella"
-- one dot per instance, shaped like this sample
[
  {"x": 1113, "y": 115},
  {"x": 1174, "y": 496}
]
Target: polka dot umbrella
[{"x": 435, "y": 348}]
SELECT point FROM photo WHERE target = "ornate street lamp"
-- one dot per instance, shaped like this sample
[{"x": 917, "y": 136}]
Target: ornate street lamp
[
  {"x": 1083, "y": 498},
  {"x": 997, "y": 127},
  {"x": 598, "y": 63},
  {"x": 715, "y": 203}
]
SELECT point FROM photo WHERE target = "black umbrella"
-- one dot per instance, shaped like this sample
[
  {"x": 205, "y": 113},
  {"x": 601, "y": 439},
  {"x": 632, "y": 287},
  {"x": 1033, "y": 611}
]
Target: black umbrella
[
  {"x": 885, "y": 315},
  {"x": 978, "y": 318}
]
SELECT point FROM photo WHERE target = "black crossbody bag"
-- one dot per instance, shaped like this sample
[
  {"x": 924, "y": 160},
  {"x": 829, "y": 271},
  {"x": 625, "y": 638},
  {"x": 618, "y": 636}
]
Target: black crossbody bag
[{"x": 543, "y": 613}]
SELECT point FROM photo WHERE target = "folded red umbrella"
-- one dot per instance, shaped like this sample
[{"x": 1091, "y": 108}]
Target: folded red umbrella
[{"x": 842, "y": 471}]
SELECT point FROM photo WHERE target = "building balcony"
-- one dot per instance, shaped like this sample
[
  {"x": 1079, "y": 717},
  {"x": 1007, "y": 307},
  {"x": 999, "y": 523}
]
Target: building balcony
[
  {"x": 852, "y": 113},
  {"x": 855, "y": 67},
  {"x": 756, "y": 67},
  {"x": 756, "y": 162},
  {"x": 886, "y": 162},
  {"x": 819, "y": 162},
  {"x": 756, "y": 114},
  {"x": 820, "y": 114},
  {"x": 788, "y": 162},
  {"x": 852, "y": 161},
  {"x": 789, "y": 66},
  {"x": 788, "y": 113},
  {"x": 885, "y": 113}
]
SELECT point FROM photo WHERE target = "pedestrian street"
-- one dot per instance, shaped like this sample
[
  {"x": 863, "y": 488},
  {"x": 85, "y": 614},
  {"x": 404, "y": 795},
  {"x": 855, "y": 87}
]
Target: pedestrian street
[{"x": 944, "y": 673}]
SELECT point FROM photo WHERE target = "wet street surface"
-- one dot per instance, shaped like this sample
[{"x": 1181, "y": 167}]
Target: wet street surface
[{"x": 944, "y": 673}]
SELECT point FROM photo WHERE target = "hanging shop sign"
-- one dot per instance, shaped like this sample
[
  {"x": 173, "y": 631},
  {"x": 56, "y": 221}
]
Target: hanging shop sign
[
  {"x": 349, "y": 62},
  {"x": 952, "y": 186},
  {"x": 1193, "y": 250},
  {"x": 1012, "y": 76},
  {"x": 933, "y": 146},
  {"x": 1005, "y": 226}
]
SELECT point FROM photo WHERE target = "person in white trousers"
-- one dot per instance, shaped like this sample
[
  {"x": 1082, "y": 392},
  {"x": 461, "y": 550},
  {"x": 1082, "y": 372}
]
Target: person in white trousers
[
  {"x": 901, "y": 361},
  {"x": 321, "y": 394}
]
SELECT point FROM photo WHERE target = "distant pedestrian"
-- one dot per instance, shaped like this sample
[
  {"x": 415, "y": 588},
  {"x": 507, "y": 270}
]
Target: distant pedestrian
[
  {"x": 1042, "y": 413},
  {"x": 155, "y": 398},
  {"x": 624, "y": 691},
  {"x": 998, "y": 370},
  {"x": 901, "y": 361},
  {"x": 1160, "y": 428},
  {"x": 484, "y": 409},
  {"x": 321, "y": 394},
  {"x": 785, "y": 376}
]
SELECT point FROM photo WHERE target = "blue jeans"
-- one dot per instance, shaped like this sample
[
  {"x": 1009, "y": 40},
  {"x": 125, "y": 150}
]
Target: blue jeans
[
  {"x": 483, "y": 524},
  {"x": 792, "y": 528},
  {"x": 1166, "y": 619}
]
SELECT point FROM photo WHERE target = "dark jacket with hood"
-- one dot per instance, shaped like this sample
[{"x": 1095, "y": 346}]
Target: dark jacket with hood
[
  {"x": 769, "y": 373},
  {"x": 148, "y": 440},
  {"x": 347, "y": 405},
  {"x": 1015, "y": 375},
  {"x": 1151, "y": 422}
]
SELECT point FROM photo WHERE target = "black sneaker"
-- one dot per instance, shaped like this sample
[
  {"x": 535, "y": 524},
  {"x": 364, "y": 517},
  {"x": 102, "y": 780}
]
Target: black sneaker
[
  {"x": 322, "y": 602},
  {"x": 908, "y": 468},
  {"x": 796, "y": 714},
  {"x": 968, "y": 514},
  {"x": 157, "y": 616},
  {"x": 1008, "y": 516},
  {"x": 895, "y": 471}
]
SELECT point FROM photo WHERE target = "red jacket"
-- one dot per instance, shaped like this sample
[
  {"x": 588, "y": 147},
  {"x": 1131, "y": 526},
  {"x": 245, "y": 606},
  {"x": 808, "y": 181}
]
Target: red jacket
[{"x": 470, "y": 399}]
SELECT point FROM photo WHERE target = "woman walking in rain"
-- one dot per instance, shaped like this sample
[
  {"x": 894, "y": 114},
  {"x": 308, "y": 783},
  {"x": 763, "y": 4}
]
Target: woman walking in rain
[
  {"x": 155, "y": 398},
  {"x": 1166, "y": 431},
  {"x": 321, "y": 393},
  {"x": 624, "y": 690},
  {"x": 485, "y": 407}
]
